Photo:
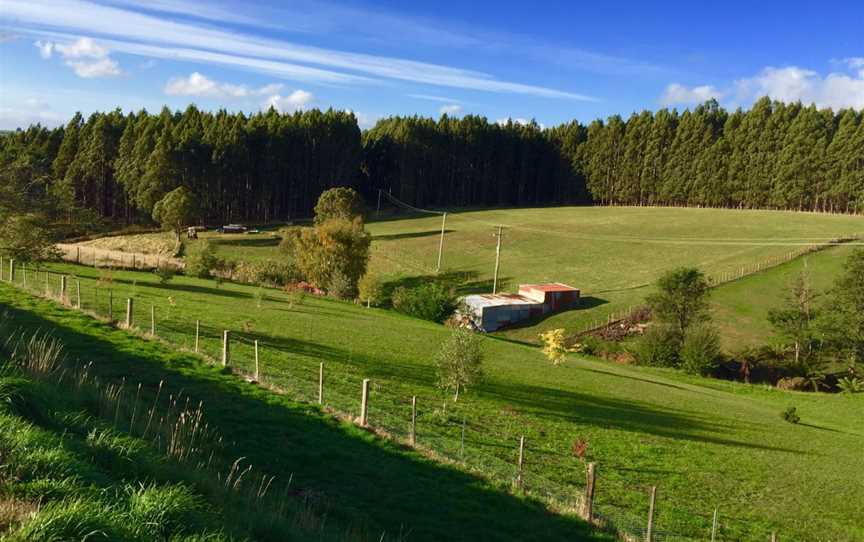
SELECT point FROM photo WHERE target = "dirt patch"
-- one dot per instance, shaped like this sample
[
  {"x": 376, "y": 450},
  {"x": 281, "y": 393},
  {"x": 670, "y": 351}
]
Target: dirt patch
[{"x": 14, "y": 511}]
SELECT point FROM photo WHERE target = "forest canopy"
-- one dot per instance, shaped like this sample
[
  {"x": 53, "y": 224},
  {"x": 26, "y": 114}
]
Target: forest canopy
[{"x": 270, "y": 166}]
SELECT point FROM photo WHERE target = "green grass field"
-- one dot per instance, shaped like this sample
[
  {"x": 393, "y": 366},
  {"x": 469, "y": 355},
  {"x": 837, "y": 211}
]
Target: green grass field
[
  {"x": 705, "y": 443},
  {"x": 612, "y": 254},
  {"x": 740, "y": 308}
]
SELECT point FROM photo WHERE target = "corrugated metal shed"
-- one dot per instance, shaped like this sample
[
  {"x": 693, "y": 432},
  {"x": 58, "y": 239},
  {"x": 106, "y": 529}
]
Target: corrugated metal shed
[{"x": 491, "y": 312}]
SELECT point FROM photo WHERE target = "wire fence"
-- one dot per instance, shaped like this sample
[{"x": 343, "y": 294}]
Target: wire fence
[
  {"x": 100, "y": 257},
  {"x": 438, "y": 428}
]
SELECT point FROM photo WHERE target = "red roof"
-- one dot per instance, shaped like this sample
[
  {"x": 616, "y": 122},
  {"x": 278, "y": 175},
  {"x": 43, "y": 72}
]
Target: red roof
[{"x": 548, "y": 287}]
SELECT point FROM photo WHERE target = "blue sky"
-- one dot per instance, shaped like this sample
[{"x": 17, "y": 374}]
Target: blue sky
[{"x": 552, "y": 61}]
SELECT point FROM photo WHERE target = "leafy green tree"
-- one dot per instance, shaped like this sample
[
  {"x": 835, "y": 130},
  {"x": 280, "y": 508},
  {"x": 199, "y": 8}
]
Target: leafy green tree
[
  {"x": 339, "y": 204},
  {"x": 795, "y": 321},
  {"x": 176, "y": 210},
  {"x": 459, "y": 362},
  {"x": 844, "y": 312},
  {"x": 700, "y": 352},
  {"x": 370, "y": 289},
  {"x": 25, "y": 237},
  {"x": 681, "y": 300},
  {"x": 336, "y": 247}
]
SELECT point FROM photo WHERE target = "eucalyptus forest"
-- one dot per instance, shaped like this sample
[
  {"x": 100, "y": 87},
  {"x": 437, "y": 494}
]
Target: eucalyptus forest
[{"x": 269, "y": 166}]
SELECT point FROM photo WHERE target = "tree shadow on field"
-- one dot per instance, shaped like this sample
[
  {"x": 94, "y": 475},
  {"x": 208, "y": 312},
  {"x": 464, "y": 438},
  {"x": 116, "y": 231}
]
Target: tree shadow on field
[
  {"x": 367, "y": 482},
  {"x": 252, "y": 242},
  {"x": 408, "y": 235},
  {"x": 631, "y": 416},
  {"x": 585, "y": 303},
  {"x": 461, "y": 282},
  {"x": 190, "y": 288}
]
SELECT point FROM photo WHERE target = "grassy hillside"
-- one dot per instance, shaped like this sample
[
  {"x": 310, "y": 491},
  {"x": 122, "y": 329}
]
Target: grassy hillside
[
  {"x": 612, "y": 254},
  {"x": 704, "y": 443},
  {"x": 740, "y": 308}
]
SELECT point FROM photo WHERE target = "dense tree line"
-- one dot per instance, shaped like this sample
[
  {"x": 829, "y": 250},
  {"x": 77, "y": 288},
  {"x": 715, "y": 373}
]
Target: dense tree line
[
  {"x": 261, "y": 167},
  {"x": 270, "y": 166}
]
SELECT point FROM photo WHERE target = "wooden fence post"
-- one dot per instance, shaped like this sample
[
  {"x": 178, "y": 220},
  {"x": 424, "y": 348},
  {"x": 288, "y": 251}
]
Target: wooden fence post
[
  {"x": 414, "y": 420},
  {"x": 588, "y": 505},
  {"x": 364, "y": 403},
  {"x": 152, "y": 320},
  {"x": 649, "y": 533},
  {"x": 78, "y": 294},
  {"x": 714, "y": 526},
  {"x": 47, "y": 283},
  {"x": 257, "y": 373},
  {"x": 197, "y": 333},
  {"x": 129, "y": 313},
  {"x": 225, "y": 349},
  {"x": 24, "y": 273},
  {"x": 63, "y": 289},
  {"x": 11, "y": 270},
  {"x": 521, "y": 460},
  {"x": 773, "y": 537},
  {"x": 321, "y": 383}
]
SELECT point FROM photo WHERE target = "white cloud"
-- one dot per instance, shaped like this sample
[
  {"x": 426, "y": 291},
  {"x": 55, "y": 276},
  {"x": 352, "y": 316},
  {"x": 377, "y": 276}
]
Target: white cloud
[
  {"x": 82, "y": 48},
  {"x": 46, "y": 49},
  {"x": 521, "y": 121},
  {"x": 791, "y": 84},
  {"x": 680, "y": 94},
  {"x": 295, "y": 101},
  {"x": 98, "y": 65},
  {"x": 200, "y": 85},
  {"x": 450, "y": 109},
  {"x": 30, "y": 111},
  {"x": 173, "y": 39},
  {"x": 148, "y": 64},
  {"x": 837, "y": 90},
  {"x": 97, "y": 68}
]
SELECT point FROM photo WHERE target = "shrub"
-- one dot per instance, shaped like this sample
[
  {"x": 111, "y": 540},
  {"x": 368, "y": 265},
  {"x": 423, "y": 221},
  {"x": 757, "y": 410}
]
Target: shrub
[
  {"x": 202, "y": 262},
  {"x": 341, "y": 203},
  {"x": 700, "y": 353},
  {"x": 370, "y": 289},
  {"x": 850, "y": 385},
  {"x": 267, "y": 272},
  {"x": 165, "y": 273},
  {"x": 554, "y": 345},
  {"x": 659, "y": 347},
  {"x": 791, "y": 415},
  {"x": 430, "y": 301},
  {"x": 340, "y": 286}
]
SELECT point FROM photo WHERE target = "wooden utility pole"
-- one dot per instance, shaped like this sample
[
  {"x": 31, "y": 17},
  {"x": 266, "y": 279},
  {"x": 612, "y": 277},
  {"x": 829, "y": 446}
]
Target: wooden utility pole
[
  {"x": 497, "y": 261},
  {"x": 441, "y": 242}
]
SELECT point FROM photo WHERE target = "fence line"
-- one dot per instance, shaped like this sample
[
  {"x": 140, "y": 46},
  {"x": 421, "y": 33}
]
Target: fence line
[
  {"x": 101, "y": 257},
  {"x": 451, "y": 438},
  {"x": 718, "y": 279}
]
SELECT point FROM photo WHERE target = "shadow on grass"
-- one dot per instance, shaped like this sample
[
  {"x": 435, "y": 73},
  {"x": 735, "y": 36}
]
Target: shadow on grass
[
  {"x": 461, "y": 282},
  {"x": 587, "y": 409},
  {"x": 380, "y": 485},
  {"x": 251, "y": 242},
  {"x": 408, "y": 235},
  {"x": 585, "y": 303}
]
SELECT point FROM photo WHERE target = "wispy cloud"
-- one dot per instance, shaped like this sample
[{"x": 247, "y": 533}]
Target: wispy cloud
[
  {"x": 131, "y": 30},
  {"x": 433, "y": 98}
]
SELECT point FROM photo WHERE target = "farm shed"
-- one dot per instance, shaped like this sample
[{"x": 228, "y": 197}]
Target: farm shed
[
  {"x": 491, "y": 312},
  {"x": 554, "y": 296}
]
